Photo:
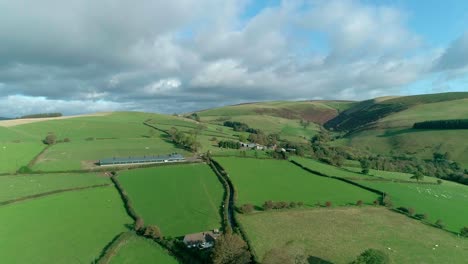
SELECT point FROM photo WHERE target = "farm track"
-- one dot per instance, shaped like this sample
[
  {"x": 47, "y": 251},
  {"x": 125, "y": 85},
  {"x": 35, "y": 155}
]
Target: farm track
[{"x": 34, "y": 196}]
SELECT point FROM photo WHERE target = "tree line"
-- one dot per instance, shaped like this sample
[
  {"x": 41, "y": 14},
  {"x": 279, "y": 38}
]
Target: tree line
[
  {"x": 185, "y": 140},
  {"x": 240, "y": 127},
  {"x": 42, "y": 115},
  {"x": 442, "y": 124},
  {"x": 229, "y": 144}
]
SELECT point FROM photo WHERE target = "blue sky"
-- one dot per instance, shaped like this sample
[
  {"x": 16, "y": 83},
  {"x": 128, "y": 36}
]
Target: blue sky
[{"x": 183, "y": 55}]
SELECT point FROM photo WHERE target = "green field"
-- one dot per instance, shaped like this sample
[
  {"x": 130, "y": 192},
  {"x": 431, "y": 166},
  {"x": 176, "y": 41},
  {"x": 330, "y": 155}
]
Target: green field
[
  {"x": 138, "y": 250},
  {"x": 117, "y": 134},
  {"x": 259, "y": 180},
  {"x": 353, "y": 172},
  {"x": 16, "y": 150},
  {"x": 339, "y": 235},
  {"x": 17, "y": 186},
  {"x": 446, "y": 201},
  {"x": 82, "y": 155},
  {"x": 180, "y": 199},
  {"x": 71, "y": 227}
]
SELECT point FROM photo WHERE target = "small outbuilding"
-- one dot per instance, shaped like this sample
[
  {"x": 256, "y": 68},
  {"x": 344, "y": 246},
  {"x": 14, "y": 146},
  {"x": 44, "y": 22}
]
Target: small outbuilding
[{"x": 201, "y": 240}]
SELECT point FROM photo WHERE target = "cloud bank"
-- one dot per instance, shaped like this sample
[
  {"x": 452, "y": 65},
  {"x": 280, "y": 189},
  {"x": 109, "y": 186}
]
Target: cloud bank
[{"x": 175, "y": 56}]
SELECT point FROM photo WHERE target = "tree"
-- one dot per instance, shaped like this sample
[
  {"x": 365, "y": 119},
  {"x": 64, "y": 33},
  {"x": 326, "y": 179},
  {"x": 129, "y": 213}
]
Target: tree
[
  {"x": 153, "y": 232},
  {"x": 139, "y": 224},
  {"x": 464, "y": 231},
  {"x": 247, "y": 208},
  {"x": 387, "y": 201},
  {"x": 418, "y": 176},
  {"x": 365, "y": 165},
  {"x": 268, "y": 205},
  {"x": 230, "y": 249},
  {"x": 372, "y": 256},
  {"x": 50, "y": 139},
  {"x": 242, "y": 138}
]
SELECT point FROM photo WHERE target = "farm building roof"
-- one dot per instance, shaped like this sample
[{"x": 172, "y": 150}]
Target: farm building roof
[{"x": 144, "y": 159}]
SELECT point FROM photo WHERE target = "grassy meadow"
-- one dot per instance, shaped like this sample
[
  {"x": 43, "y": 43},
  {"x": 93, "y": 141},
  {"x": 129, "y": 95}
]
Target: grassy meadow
[
  {"x": 180, "y": 199},
  {"x": 138, "y": 250},
  {"x": 71, "y": 227},
  {"x": 259, "y": 180},
  {"x": 16, "y": 150},
  {"x": 81, "y": 155},
  {"x": 446, "y": 201},
  {"x": 17, "y": 186},
  {"x": 339, "y": 235}
]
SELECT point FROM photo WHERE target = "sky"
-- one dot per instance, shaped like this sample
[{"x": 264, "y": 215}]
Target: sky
[{"x": 82, "y": 56}]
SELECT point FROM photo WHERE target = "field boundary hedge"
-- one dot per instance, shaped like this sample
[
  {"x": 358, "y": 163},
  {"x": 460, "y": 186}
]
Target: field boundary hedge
[
  {"x": 111, "y": 249},
  {"x": 34, "y": 196},
  {"x": 127, "y": 203},
  {"x": 226, "y": 197},
  {"x": 338, "y": 178},
  {"x": 237, "y": 226}
]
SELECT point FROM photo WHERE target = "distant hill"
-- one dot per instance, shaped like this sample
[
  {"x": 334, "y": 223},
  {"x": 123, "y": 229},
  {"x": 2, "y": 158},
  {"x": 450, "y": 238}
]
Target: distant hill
[
  {"x": 4, "y": 118},
  {"x": 385, "y": 127},
  {"x": 314, "y": 111},
  {"x": 366, "y": 113}
]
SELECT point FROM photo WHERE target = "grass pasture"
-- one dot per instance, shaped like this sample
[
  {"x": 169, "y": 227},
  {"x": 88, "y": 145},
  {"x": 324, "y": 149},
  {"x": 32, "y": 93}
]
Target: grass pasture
[
  {"x": 339, "y": 235},
  {"x": 138, "y": 250},
  {"x": 259, "y": 180},
  {"x": 17, "y": 186},
  {"x": 16, "y": 150},
  {"x": 446, "y": 201},
  {"x": 70, "y": 227},
  {"x": 81, "y": 155},
  {"x": 180, "y": 199}
]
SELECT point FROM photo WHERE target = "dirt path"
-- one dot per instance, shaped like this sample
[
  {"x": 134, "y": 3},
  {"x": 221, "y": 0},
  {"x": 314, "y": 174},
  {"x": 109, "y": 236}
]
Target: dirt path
[{"x": 17, "y": 122}]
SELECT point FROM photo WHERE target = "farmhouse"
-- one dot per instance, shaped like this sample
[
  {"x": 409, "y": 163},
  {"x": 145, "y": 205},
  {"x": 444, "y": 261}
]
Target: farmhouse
[
  {"x": 201, "y": 240},
  {"x": 252, "y": 146},
  {"x": 174, "y": 157}
]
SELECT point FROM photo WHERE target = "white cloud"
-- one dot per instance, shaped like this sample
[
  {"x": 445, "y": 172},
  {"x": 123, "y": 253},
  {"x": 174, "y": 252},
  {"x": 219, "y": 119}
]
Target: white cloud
[
  {"x": 163, "y": 86},
  {"x": 153, "y": 55}
]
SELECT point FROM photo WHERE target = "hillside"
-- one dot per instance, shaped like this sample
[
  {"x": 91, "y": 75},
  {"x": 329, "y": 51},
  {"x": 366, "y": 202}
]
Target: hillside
[
  {"x": 363, "y": 115},
  {"x": 386, "y": 127},
  {"x": 294, "y": 121}
]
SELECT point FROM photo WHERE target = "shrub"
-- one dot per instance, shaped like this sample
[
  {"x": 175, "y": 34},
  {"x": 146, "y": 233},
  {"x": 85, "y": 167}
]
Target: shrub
[
  {"x": 439, "y": 223},
  {"x": 328, "y": 204},
  {"x": 300, "y": 204},
  {"x": 24, "y": 169},
  {"x": 139, "y": 224},
  {"x": 153, "y": 232},
  {"x": 66, "y": 140},
  {"x": 387, "y": 201},
  {"x": 247, "y": 208},
  {"x": 421, "y": 216},
  {"x": 464, "y": 231},
  {"x": 372, "y": 256},
  {"x": 293, "y": 204},
  {"x": 403, "y": 209},
  {"x": 439, "y": 181},
  {"x": 411, "y": 211},
  {"x": 376, "y": 202},
  {"x": 268, "y": 205},
  {"x": 359, "y": 203},
  {"x": 50, "y": 139}
]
